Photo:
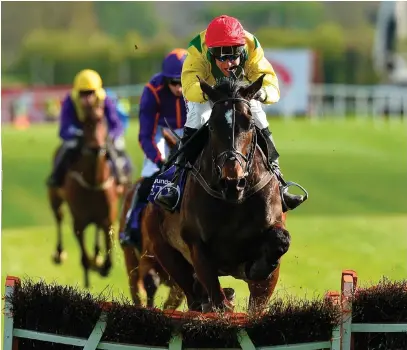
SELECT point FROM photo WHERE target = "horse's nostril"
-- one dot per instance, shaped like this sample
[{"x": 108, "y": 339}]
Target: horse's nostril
[{"x": 241, "y": 183}]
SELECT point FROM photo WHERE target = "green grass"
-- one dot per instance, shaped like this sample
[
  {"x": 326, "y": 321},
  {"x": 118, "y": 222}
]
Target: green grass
[{"x": 355, "y": 172}]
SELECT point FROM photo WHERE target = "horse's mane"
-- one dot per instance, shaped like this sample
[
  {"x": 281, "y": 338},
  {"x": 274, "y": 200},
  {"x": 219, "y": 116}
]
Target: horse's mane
[{"x": 230, "y": 87}]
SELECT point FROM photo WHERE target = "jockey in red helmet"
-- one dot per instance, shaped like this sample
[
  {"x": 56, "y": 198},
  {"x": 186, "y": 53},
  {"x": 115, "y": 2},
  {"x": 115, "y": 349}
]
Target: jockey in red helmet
[
  {"x": 224, "y": 47},
  {"x": 161, "y": 99}
]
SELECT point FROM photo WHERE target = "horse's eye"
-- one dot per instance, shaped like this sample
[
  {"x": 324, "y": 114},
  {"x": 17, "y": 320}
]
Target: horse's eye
[{"x": 210, "y": 127}]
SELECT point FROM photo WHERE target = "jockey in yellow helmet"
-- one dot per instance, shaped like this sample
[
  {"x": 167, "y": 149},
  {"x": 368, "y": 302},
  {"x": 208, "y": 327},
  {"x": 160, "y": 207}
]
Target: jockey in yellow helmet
[
  {"x": 87, "y": 92},
  {"x": 212, "y": 55}
]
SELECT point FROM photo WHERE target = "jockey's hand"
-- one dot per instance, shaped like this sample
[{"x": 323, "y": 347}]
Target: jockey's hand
[
  {"x": 260, "y": 95},
  {"x": 160, "y": 164}
]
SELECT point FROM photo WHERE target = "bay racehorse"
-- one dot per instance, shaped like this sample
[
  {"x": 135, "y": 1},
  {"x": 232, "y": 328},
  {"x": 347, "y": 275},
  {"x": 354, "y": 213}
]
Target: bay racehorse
[
  {"x": 143, "y": 270},
  {"x": 92, "y": 195},
  {"x": 230, "y": 220}
]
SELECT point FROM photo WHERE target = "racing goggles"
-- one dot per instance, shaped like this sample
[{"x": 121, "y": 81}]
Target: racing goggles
[
  {"x": 223, "y": 53},
  {"x": 174, "y": 82}
]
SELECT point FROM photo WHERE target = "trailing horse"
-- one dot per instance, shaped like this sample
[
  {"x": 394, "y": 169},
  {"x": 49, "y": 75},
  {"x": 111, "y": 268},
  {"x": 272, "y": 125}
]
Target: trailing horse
[
  {"x": 92, "y": 195},
  {"x": 230, "y": 220},
  {"x": 143, "y": 270}
]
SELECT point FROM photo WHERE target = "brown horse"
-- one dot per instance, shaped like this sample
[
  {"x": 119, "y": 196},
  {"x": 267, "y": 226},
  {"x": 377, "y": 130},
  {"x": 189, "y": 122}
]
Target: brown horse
[
  {"x": 230, "y": 221},
  {"x": 143, "y": 270},
  {"x": 56, "y": 199},
  {"x": 91, "y": 193}
]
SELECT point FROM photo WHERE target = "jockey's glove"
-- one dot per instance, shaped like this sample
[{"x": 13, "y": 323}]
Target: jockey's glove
[
  {"x": 260, "y": 95},
  {"x": 160, "y": 164}
]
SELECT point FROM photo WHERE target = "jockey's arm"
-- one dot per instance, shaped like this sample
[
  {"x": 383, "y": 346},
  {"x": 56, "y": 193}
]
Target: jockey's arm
[
  {"x": 148, "y": 115},
  {"x": 258, "y": 65},
  {"x": 194, "y": 65},
  {"x": 69, "y": 127},
  {"x": 115, "y": 126}
]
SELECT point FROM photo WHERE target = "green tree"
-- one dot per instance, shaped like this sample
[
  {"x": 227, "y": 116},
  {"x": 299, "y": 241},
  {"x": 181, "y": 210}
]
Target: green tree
[{"x": 117, "y": 18}]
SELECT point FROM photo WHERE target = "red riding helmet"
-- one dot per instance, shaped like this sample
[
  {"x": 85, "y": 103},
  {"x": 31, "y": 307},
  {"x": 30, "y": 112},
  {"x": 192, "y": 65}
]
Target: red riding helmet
[{"x": 224, "y": 31}]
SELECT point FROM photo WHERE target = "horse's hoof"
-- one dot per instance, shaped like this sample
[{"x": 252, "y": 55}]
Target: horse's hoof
[
  {"x": 226, "y": 306},
  {"x": 120, "y": 189},
  {"x": 59, "y": 258},
  {"x": 98, "y": 261},
  {"x": 206, "y": 308},
  {"x": 230, "y": 294},
  {"x": 105, "y": 270}
]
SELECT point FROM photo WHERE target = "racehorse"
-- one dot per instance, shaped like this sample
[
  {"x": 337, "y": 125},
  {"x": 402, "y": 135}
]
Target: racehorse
[
  {"x": 56, "y": 199},
  {"x": 230, "y": 220},
  {"x": 143, "y": 270},
  {"x": 91, "y": 193}
]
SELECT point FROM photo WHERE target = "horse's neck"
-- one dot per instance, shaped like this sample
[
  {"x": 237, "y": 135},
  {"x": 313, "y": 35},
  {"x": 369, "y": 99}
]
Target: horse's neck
[{"x": 93, "y": 168}]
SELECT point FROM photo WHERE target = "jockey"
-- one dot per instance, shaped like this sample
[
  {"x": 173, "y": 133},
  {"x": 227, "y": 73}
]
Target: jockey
[
  {"x": 87, "y": 91},
  {"x": 161, "y": 99},
  {"x": 212, "y": 54}
]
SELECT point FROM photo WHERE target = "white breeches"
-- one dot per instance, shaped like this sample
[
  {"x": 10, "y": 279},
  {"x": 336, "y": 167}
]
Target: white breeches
[
  {"x": 149, "y": 168},
  {"x": 199, "y": 113}
]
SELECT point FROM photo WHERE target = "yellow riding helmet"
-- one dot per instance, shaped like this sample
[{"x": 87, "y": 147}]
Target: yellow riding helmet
[{"x": 87, "y": 79}]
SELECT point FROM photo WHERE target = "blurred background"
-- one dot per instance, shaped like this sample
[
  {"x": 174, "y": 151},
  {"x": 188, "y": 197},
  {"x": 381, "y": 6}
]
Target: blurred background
[{"x": 340, "y": 125}]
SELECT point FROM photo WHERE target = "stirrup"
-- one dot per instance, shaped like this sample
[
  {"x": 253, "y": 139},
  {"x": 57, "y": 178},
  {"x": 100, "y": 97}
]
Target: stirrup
[
  {"x": 174, "y": 188},
  {"x": 285, "y": 188}
]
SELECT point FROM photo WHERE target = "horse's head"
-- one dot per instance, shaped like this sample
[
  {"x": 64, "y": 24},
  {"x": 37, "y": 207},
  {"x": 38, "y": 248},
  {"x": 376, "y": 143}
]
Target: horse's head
[
  {"x": 232, "y": 134},
  {"x": 95, "y": 128}
]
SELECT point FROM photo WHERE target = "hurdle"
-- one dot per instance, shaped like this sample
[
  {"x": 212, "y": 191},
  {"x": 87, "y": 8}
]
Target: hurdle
[{"x": 342, "y": 336}]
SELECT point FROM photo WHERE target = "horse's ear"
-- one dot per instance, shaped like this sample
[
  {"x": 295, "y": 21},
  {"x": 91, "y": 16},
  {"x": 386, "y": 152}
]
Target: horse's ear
[
  {"x": 250, "y": 91},
  {"x": 207, "y": 89}
]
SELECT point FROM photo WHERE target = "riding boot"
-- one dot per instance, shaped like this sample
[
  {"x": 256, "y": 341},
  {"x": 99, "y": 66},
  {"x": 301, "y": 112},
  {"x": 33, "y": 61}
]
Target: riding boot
[
  {"x": 290, "y": 201},
  {"x": 131, "y": 236},
  {"x": 170, "y": 199},
  {"x": 60, "y": 166}
]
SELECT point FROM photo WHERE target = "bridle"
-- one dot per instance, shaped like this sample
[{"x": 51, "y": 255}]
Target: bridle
[{"x": 232, "y": 153}]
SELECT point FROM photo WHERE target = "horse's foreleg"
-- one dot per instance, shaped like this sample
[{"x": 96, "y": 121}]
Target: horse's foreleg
[
  {"x": 175, "y": 298},
  {"x": 79, "y": 234},
  {"x": 133, "y": 273},
  {"x": 180, "y": 270},
  {"x": 107, "y": 265},
  {"x": 97, "y": 258},
  {"x": 56, "y": 203},
  {"x": 261, "y": 292},
  {"x": 151, "y": 283},
  {"x": 208, "y": 277}
]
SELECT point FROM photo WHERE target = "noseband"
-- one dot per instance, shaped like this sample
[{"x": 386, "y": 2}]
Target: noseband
[{"x": 233, "y": 154}]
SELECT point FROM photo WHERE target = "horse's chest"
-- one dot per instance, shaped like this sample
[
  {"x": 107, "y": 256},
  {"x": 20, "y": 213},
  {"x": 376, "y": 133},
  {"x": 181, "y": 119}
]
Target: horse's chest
[{"x": 232, "y": 224}]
